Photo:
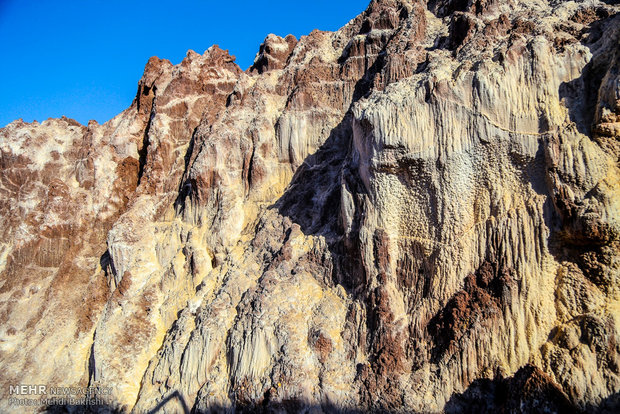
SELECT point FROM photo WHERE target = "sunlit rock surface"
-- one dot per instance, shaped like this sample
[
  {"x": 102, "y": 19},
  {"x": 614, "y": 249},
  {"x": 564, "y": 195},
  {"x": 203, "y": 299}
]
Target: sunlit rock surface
[{"x": 418, "y": 212}]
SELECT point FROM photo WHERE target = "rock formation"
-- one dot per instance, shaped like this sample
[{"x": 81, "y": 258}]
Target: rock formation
[{"x": 417, "y": 212}]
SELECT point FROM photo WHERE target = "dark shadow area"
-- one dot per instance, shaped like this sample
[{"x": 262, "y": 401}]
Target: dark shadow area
[
  {"x": 143, "y": 152},
  {"x": 610, "y": 405},
  {"x": 286, "y": 406},
  {"x": 313, "y": 198},
  {"x": 106, "y": 263},
  {"x": 313, "y": 201},
  {"x": 185, "y": 185},
  {"x": 580, "y": 235},
  {"x": 528, "y": 391},
  {"x": 174, "y": 396},
  {"x": 443, "y": 8},
  {"x": 581, "y": 94}
]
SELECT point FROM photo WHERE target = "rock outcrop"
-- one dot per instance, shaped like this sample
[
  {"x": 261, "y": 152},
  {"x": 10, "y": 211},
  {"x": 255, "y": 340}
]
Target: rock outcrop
[{"x": 417, "y": 212}]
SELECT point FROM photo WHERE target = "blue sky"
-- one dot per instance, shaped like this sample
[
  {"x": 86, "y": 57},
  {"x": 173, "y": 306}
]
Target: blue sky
[{"x": 83, "y": 59}]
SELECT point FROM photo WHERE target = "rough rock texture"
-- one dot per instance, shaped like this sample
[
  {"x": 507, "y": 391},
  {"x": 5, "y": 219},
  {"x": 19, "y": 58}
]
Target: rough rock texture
[{"x": 418, "y": 212}]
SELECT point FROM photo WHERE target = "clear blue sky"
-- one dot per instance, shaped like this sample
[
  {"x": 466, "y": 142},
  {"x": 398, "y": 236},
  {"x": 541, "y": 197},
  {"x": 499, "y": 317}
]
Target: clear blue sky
[{"x": 83, "y": 58}]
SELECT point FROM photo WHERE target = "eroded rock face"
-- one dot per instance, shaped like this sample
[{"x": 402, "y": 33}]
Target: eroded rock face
[{"x": 418, "y": 212}]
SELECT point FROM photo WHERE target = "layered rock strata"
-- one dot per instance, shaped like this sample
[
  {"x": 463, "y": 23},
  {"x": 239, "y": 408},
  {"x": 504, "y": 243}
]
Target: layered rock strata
[{"x": 417, "y": 212}]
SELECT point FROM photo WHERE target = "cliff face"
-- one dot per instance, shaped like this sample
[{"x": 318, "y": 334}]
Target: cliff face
[{"x": 420, "y": 211}]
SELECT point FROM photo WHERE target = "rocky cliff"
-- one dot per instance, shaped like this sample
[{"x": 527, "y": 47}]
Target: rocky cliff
[{"x": 418, "y": 212}]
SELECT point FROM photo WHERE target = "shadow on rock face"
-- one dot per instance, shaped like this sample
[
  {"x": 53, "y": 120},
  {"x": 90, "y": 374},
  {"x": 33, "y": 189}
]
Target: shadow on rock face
[
  {"x": 584, "y": 235},
  {"x": 582, "y": 94},
  {"x": 313, "y": 201},
  {"x": 528, "y": 391},
  {"x": 313, "y": 198}
]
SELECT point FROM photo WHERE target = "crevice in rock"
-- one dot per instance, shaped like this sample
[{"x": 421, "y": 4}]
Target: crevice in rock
[{"x": 143, "y": 151}]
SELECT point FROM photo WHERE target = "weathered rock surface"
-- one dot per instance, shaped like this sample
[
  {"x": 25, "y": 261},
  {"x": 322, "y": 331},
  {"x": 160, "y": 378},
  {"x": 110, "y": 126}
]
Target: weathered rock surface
[{"x": 418, "y": 212}]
